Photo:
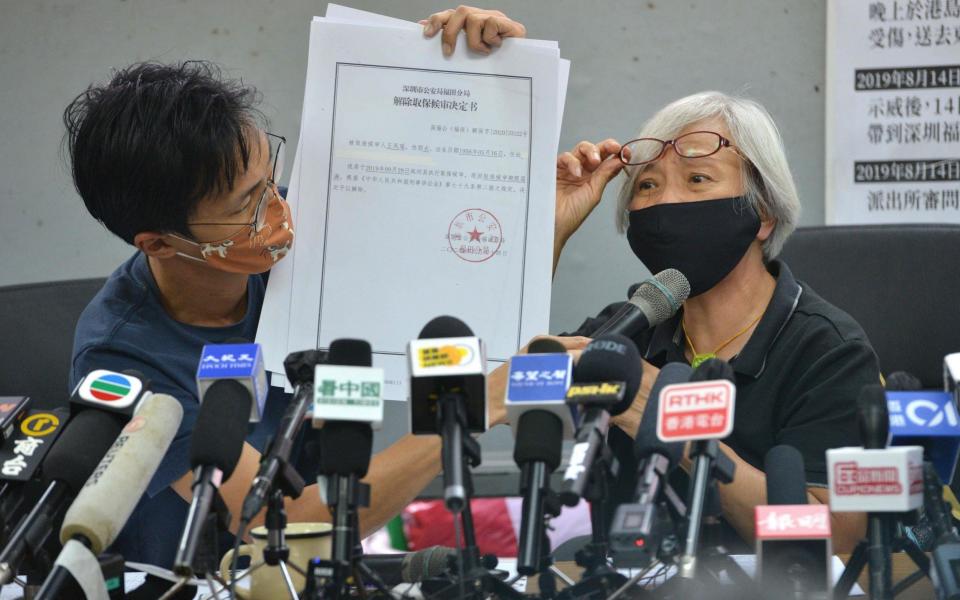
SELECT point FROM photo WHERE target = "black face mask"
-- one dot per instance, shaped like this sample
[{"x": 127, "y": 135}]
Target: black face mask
[{"x": 703, "y": 240}]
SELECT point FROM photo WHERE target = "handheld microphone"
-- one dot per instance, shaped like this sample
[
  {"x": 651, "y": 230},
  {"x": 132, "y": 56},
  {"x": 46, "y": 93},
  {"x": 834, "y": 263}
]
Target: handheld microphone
[
  {"x": 240, "y": 362},
  {"x": 448, "y": 396},
  {"x": 112, "y": 491},
  {"x": 110, "y": 391},
  {"x": 300, "y": 368},
  {"x": 652, "y": 302},
  {"x": 411, "y": 567},
  {"x": 606, "y": 380},
  {"x": 793, "y": 537},
  {"x": 536, "y": 391},
  {"x": 215, "y": 448},
  {"x": 638, "y": 526},
  {"x": 71, "y": 461}
]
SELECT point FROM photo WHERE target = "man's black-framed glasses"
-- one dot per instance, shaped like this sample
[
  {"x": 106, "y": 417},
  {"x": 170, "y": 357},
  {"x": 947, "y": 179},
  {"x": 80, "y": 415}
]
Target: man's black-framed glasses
[
  {"x": 695, "y": 144},
  {"x": 278, "y": 145}
]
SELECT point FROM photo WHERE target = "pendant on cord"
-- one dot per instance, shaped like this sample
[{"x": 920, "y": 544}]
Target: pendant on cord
[{"x": 701, "y": 358}]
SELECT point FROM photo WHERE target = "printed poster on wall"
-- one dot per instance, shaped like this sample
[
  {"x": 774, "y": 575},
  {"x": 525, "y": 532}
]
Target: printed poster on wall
[{"x": 893, "y": 111}]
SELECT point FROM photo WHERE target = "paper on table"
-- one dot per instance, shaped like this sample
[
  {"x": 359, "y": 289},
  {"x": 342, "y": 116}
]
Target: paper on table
[{"x": 359, "y": 271}]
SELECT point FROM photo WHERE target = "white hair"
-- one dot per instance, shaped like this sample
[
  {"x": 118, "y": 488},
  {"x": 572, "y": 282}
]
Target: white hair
[{"x": 768, "y": 183}]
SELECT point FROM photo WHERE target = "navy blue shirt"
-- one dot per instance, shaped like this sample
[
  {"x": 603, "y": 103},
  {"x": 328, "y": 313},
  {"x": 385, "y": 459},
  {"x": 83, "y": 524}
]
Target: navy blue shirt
[{"x": 126, "y": 327}]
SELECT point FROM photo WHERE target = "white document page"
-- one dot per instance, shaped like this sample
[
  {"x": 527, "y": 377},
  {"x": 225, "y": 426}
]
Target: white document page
[{"x": 426, "y": 188}]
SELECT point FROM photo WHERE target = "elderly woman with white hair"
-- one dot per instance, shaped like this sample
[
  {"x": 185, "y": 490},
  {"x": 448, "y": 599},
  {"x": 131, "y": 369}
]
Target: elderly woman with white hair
[{"x": 707, "y": 190}]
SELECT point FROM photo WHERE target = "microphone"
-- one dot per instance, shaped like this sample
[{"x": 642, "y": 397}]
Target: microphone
[
  {"x": 875, "y": 479},
  {"x": 215, "y": 448},
  {"x": 12, "y": 409},
  {"x": 348, "y": 401},
  {"x": 348, "y": 388},
  {"x": 639, "y": 526},
  {"x": 70, "y": 462},
  {"x": 448, "y": 396},
  {"x": 411, "y": 567},
  {"x": 606, "y": 380},
  {"x": 540, "y": 419},
  {"x": 793, "y": 537},
  {"x": 300, "y": 368},
  {"x": 110, "y": 391},
  {"x": 240, "y": 362},
  {"x": 652, "y": 302},
  {"x": 951, "y": 374},
  {"x": 112, "y": 491},
  {"x": 701, "y": 411}
]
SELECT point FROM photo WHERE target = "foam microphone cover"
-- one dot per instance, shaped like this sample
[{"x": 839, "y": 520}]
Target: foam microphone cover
[
  {"x": 902, "y": 381},
  {"x": 647, "y": 442},
  {"x": 78, "y": 450},
  {"x": 611, "y": 357},
  {"x": 713, "y": 369},
  {"x": 786, "y": 476},
  {"x": 345, "y": 448},
  {"x": 106, "y": 501},
  {"x": 873, "y": 418},
  {"x": 539, "y": 439},
  {"x": 350, "y": 353},
  {"x": 221, "y": 426},
  {"x": 445, "y": 327},
  {"x": 546, "y": 346}
]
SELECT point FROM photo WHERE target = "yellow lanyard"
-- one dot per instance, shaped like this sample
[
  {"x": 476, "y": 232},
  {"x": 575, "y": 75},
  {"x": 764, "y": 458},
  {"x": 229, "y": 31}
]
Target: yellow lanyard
[{"x": 699, "y": 358}]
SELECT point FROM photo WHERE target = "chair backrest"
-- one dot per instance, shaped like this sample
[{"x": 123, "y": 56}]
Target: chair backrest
[
  {"x": 37, "y": 322},
  {"x": 900, "y": 282}
]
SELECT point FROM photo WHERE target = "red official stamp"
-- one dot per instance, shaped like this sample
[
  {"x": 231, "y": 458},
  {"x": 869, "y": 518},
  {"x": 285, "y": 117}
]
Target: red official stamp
[{"x": 475, "y": 235}]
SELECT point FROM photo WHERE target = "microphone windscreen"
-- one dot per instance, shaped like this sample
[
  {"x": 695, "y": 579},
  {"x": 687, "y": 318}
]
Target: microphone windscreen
[
  {"x": 661, "y": 296},
  {"x": 350, "y": 353},
  {"x": 713, "y": 369},
  {"x": 80, "y": 447},
  {"x": 786, "y": 476},
  {"x": 221, "y": 426},
  {"x": 647, "y": 442},
  {"x": 545, "y": 346},
  {"x": 345, "y": 448},
  {"x": 445, "y": 327},
  {"x": 902, "y": 381},
  {"x": 611, "y": 357},
  {"x": 426, "y": 564},
  {"x": 873, "y": 418},
  {"x": 236, "y": 340},
  {"x": 109, "y": 496},
  {"x": 539, "y": 438}
]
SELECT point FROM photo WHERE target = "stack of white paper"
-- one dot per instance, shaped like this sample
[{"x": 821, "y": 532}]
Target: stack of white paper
[{"x": 422, "y": 186}]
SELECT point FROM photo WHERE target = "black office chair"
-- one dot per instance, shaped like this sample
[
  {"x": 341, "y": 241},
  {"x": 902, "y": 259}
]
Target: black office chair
[
  {"x": 36, "y": 337},
  {"x": 900, "y": 282}
]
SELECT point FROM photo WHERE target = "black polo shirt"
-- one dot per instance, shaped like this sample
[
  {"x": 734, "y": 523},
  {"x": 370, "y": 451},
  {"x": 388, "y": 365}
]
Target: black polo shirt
[{"x": 797, "y": 378}]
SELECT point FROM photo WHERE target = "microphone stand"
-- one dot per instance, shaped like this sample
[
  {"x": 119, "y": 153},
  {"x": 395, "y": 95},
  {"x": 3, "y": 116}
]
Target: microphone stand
[
  {"x": 886, "y": 534},
  {"x": 460, "y": 451},
  {"x": 599, "y": 579}
]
